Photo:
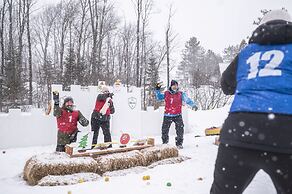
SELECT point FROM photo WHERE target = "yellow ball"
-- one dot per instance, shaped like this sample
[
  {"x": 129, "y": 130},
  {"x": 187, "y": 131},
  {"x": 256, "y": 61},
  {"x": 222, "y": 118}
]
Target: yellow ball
[
  {"x": 106, "y": 179},
  {"x": 69, "y": 192},
  {"x": 144, "y": 178},
  {"x": 81, "y": 181},
  {"x": 147, "y": 177}
]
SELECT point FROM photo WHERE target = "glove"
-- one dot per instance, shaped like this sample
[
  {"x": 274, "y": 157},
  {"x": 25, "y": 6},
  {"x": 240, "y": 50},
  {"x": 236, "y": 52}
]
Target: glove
[
  {"x": 110, "y": 95},
  {"x": 158, "y": 86},
  {"x": 195, "y": 108},
  {"x": 56, "y": 97}
]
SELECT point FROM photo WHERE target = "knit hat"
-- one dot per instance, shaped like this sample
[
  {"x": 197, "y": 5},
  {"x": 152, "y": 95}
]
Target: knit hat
[
  {"x": 67, "y": 99},
  {"x": 173, "y": 82},
  {"x": 104, "y": 89},
  {"x": 278, "y": 14}
]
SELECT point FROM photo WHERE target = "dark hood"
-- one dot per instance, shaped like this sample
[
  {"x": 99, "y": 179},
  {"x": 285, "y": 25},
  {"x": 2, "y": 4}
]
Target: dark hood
[{"x": 273, "y": 32}]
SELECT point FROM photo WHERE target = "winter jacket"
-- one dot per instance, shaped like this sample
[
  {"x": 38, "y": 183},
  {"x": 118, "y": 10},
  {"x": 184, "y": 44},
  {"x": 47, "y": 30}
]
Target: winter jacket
[
  {"x": 99, "y": 104},
  {"x": 173, "y": 101},
  {"x": 67, "y": 119},
  {"x": 260, "y": 77}
]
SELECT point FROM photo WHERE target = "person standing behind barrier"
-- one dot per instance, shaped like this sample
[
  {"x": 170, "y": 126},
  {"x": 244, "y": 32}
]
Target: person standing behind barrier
[
  {"x": 67, "y": 119},
  {"x": 100, "y": 117},
  {"x": 173, "y": 111}
]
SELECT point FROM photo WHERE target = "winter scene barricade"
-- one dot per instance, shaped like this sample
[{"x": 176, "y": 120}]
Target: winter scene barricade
[
  {"x": 56, "y": 164},
  {"x": 34, "y": 128}
]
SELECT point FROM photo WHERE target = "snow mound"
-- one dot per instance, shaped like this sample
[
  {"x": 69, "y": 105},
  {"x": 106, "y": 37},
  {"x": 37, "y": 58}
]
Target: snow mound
[
  {"x": 133, "y": 170},
  {"x": 52, "y": 180},
  {"x": 174, "y": 160}
]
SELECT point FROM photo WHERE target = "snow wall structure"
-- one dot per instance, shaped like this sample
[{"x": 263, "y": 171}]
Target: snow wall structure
[{"x": 34, "y": 128}]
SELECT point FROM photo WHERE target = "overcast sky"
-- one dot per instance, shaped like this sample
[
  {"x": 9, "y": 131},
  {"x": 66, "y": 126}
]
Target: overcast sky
[{"x": 216, "y": 23}]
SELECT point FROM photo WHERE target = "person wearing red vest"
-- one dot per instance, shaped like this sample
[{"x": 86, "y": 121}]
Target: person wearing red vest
[
  {"x": 67, "y": 120},
  {"x": 100, "y": 116},
  {"x": 173, "y": 108}
]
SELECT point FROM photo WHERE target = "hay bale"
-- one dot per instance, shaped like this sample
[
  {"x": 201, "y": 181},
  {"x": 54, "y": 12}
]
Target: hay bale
[
  {"x": 53, "y": 180},
  {"x": 159, "y": 152},
  {"x": 46, "y": 164},
  {"x": 119, "y": 161}
]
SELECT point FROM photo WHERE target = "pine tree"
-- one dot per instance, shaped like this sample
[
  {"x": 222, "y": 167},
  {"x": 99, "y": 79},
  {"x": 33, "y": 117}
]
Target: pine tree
[
  {"x": 190, "y": 69},
  {"x": 70, "y": 74},
  {"x": 83, "y": 141},
  {"x": 152, "y": 78}
]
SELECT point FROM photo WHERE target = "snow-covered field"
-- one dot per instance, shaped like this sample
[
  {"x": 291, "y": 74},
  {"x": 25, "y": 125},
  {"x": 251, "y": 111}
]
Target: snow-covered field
[{"x": 192, "y": 176}]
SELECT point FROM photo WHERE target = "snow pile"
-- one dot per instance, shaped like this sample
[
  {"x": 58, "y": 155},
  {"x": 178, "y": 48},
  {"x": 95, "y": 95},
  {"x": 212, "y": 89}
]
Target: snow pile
[
  {"x": 124, "y": 172},
  {"x": 174, "y": 160},
  {"x": 52, "y": 180}
]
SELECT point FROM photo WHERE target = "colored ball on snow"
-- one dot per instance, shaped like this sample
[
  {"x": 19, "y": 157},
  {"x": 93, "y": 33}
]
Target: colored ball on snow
[
  {"x": 147, "y": 177},
  {"x": 106, "y": 179},
  {"x": 144, "y": 178},
  {"x": 81, "y": 181},
  {"x": 69, "y": 192},
  {"x": 168, "y": 184}
]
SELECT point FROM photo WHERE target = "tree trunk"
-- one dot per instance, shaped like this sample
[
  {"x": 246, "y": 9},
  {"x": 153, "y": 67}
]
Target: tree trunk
[
  {"x": 29, "y": 51},
  {"x": 139, "y": 2}
]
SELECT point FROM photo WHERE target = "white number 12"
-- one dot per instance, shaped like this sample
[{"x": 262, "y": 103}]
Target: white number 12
[{"x": 275, "y": 56}]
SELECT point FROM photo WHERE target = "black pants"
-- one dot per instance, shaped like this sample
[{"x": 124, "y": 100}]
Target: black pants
[
  {"x": 105, "y": 126},
  {"x": 236, "y": 167},
  {"x": 179, "y": 127}
]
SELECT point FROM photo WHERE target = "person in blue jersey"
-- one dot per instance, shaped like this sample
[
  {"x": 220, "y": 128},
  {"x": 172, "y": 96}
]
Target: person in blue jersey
[
  {"x": 257, "y": 134},
  {"x": 173, "y": 111}
]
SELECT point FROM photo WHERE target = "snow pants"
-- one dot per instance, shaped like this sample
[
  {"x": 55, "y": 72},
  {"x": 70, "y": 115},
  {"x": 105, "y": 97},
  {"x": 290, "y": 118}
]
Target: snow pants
[
  {"x": 96, "y": 124},
  {"x": 179, "y": 127},
  {"x": 65, "y": 138},
  {"x": 236, "y": 167}
]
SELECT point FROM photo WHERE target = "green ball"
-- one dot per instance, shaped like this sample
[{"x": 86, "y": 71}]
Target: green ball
[{"x": 168, "y": 184}]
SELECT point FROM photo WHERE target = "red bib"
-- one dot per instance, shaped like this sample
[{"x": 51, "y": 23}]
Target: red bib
[
  {"x": 67, "y": 122},
  {"x": 173, "y": 103}
]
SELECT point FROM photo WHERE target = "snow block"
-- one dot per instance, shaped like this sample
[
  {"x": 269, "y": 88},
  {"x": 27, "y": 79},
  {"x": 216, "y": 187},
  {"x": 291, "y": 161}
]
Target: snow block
[{"x": 55, "y": 164}]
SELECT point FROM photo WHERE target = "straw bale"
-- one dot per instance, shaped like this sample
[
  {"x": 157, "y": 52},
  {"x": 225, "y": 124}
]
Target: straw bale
[
  {"x": 119, "y": 161},
  {"x": 45, "y": 164},
  {"x": 159, "y": 152}
]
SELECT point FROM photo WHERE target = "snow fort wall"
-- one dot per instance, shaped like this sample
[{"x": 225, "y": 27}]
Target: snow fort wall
[{"x": 21, "y": 129}]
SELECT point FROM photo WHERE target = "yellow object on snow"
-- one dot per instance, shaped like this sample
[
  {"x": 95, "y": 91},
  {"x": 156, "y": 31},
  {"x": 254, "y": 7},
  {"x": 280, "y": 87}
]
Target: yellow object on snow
[{"x": 212, "y": 131}]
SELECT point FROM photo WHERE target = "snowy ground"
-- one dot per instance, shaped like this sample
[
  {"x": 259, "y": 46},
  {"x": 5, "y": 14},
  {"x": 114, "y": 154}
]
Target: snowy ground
[{"x": 184, "y": 177}]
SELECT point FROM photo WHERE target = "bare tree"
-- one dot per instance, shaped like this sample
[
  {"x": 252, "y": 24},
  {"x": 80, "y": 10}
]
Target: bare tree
[
  {"x": 28, "y": 6},
  {"x": 139, "y": 12},
  {"x": 2, "y": 15},
  {"x": 169, "y": 39}
]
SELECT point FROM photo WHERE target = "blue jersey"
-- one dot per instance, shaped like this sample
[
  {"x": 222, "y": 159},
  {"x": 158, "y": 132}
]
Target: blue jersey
[{"x": 264, "y": 79}]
